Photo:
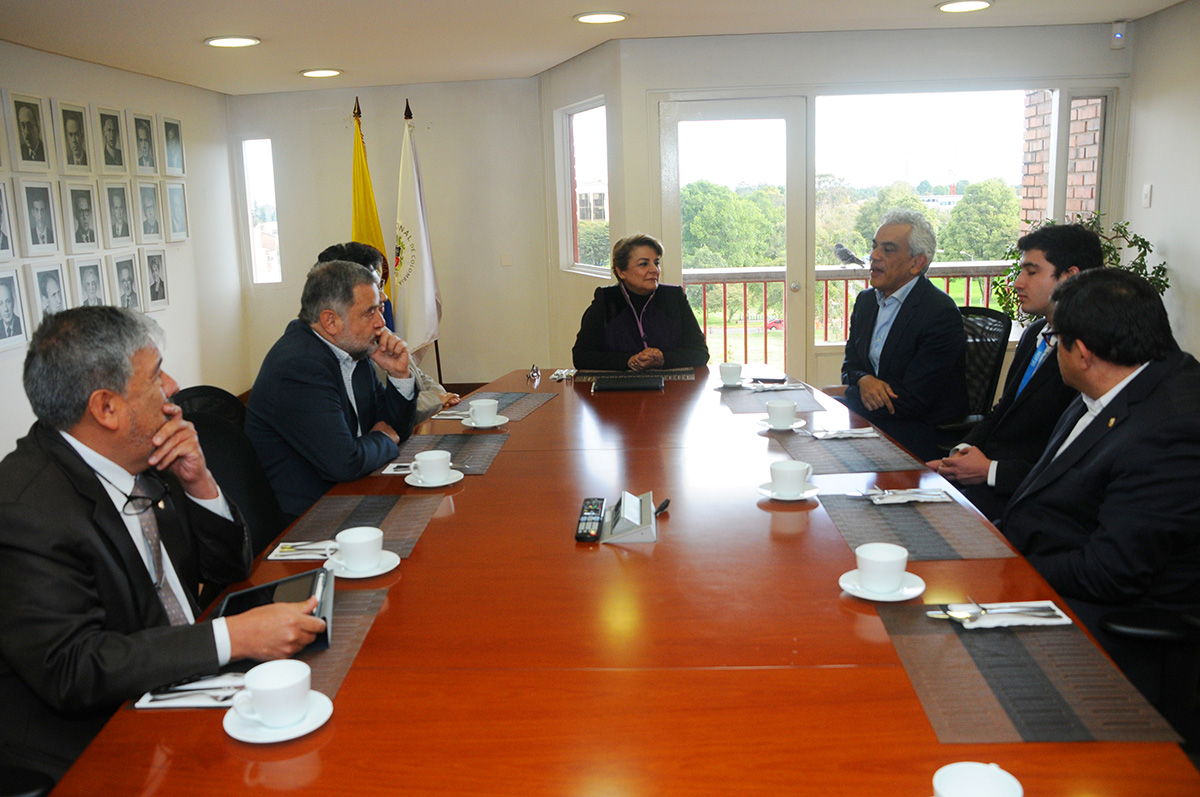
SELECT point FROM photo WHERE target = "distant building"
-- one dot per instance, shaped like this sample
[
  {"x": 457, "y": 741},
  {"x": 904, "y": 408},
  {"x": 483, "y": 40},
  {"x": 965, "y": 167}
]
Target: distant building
[
  {"x": 941, "y": 201},
  {"x": 591, "y": 200}
]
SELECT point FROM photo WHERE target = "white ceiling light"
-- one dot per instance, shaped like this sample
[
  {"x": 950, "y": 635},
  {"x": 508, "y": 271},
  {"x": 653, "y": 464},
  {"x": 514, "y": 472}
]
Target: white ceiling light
[
  {"x": 962, "y": 6},
  {"x": 232, "y": 41},
  {"x": 601, "y": 17},
  {"x": 321, "y": 72}
]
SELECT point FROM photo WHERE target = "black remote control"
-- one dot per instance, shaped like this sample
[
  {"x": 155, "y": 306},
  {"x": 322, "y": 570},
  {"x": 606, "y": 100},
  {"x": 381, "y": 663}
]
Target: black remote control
[{"x": 590, "y": 515}]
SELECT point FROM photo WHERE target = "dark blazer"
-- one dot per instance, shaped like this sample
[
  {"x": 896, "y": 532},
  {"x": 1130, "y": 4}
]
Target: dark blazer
[
  {"x": 17, "y": 329},
  {"x": 81, "y": 628},
  {"x": 609, "y": 336},
  {"x": 301, "y": 423},
  {"x": 923, "y": 360},
  {"x": 1014, "y": 434}
]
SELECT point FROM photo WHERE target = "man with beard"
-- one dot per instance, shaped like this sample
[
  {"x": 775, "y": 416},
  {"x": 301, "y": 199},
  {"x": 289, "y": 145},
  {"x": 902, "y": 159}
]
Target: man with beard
[{"x": 317, "y": 414}]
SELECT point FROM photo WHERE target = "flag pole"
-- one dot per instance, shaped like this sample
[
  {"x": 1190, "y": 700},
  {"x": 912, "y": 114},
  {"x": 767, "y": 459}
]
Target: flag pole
[{"x": 437, "y": 349}]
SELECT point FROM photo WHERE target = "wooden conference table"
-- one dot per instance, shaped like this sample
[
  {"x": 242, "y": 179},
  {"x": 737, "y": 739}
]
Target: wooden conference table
[{"x": 507, "y": 659}]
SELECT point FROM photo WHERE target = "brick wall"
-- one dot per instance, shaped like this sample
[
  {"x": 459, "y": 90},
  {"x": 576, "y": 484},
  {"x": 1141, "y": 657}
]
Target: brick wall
[{"x": 1083, "y": 156}]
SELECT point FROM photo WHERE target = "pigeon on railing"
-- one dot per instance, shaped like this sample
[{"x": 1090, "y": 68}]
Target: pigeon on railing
[{"x": 846, "y": 256}]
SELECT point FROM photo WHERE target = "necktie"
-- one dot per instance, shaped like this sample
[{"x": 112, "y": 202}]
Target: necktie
[
  {"x": 149, "y": 523},
  {"x": 1034, "y": 362}
]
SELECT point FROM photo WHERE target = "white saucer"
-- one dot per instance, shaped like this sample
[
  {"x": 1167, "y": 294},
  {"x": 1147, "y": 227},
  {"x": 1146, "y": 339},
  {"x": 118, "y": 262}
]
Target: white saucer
[
  {"x": 455, "y": 477},
  {"x": 388, "y": 561},
  {"x": 808, "y": 492},
  {"x": 500, "y": 421},
  {"x": 912, "y": 586},
  {"x": 320, "y": 709},
  {"x": 799, "y": 424}
]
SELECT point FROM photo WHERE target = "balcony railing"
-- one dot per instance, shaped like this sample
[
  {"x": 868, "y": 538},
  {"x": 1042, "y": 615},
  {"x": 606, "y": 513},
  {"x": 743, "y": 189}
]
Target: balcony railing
[{"x": 740, "y": 325}]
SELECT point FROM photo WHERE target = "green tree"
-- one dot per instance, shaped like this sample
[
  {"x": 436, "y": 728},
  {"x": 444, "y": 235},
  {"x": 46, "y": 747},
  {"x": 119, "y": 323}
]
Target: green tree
[
  {"x": 896, "y": 195},
  {"x": 714, "y": 216},
  {"x": 924, "y": 188},
  {"x": 983, "y": 223},
  {"x": 594, "y": 243}
]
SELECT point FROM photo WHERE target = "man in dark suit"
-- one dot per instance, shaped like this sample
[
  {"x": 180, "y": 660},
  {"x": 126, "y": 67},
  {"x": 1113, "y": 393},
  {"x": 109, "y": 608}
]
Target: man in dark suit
[
  {"x": 904, "y": 368},
  {"x": 29, "y": 130},
  {"x": 1110, "y": 514},
  {"x": 109, "y": 522},
  {"x": 10, "y": 322},
  {"x": 997, "y": 454},
  {"x": 317, "y": 413}
]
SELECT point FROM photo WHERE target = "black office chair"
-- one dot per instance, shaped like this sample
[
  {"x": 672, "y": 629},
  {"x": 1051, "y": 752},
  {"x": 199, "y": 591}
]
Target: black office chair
[
  {"x": 1171, "y": 641},
  {"x": 212, "y": 400},
  {"x": 235, "y": 465},
  {"x": 987, "y": 333}
]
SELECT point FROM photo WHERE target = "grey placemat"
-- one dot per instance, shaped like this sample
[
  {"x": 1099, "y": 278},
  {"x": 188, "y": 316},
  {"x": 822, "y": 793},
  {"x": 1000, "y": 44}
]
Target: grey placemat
[
  {"x": 354, "y": 611},
  {"x": 402, "y": 518},
  {"x": 1029, "y": 684},
  {"x": 741, "y": 400},
  {"x": 668, "y": 375},
  {"x": 929, "y": 531},
  {"x": 470, "y": 453},
  {"x": 512, "y": 405},
  {"x": 847, "y": 455}
]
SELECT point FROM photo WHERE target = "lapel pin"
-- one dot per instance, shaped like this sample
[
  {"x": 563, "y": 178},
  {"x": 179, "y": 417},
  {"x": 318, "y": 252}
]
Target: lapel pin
[{"x": 1111, "y": 421}]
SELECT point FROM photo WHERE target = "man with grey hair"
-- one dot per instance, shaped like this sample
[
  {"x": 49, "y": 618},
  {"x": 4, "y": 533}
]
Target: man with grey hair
[
  {"x": 904, "y": 368},
  {"x": 317, "y": 414},
  {"x": 109, "y": 522}
]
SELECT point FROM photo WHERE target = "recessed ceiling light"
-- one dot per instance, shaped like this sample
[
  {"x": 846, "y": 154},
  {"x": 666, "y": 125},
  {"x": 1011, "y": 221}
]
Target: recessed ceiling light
[
  {"x": 961, "y": 6},
  {"x": 232, "y": 41},
  {"x": 321, "y": 72},
  {"x": 601, "y": 17}
]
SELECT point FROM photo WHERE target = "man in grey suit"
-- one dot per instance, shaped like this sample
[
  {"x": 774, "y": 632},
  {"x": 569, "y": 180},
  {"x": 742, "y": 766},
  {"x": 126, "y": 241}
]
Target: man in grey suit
[{"x": 109, "y": 522}]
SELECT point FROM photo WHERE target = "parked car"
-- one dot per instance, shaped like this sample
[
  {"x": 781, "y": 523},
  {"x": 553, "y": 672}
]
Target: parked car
[{"x": 774, "y": 323}]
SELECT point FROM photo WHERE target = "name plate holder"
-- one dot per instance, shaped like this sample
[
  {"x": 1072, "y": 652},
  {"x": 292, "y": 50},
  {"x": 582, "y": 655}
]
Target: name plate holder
[{"x": 631, "y": 520}]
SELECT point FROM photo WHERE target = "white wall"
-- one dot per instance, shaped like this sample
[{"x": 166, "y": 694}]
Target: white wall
[
  {"x": 204, "y": 321},
  {"x": 1164, "y": 151},
  {"x": 479, "y": 149}
]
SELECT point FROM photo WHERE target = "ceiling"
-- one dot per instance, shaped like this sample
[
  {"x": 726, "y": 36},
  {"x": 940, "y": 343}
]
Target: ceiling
[{"x": 391, "y": 42}]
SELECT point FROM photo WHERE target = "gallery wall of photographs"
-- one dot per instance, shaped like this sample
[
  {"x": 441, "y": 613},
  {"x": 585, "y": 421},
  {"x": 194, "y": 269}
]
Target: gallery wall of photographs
[{"x": 92, "y": 199}]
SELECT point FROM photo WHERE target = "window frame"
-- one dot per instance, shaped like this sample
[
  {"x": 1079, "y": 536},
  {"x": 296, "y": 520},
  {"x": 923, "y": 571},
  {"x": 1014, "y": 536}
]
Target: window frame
[{"x": 566, "y": 202}]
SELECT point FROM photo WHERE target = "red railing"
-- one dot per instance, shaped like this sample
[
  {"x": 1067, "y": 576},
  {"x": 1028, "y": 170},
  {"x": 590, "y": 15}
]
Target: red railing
[{"x": 837, "y": 286}]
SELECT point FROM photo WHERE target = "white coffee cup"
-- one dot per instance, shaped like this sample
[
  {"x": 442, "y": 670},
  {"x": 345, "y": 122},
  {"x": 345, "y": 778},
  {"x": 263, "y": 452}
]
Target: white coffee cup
[
  {"x": 276, "y": 693},
  {"x": 731, "y": 374},
  {"x": 789, "y": 477},
  {"x": 973, "y": 779},
  {"x": 781, "y": 413},
  {"x": 360, "y": 547},
  {"x": 881, "y": 566},
  {"x": 482, "y": 412},
  {"x": 432, "y": 467}
]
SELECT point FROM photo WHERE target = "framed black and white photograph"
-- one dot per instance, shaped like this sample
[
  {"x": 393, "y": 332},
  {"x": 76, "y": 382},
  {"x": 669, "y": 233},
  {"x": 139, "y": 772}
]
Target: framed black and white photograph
[
  {"x": 74, "y": 143},
  {"x": 8, "y": 244},
  {"x": 81, "y": 218},
  {"x": 87, "y": 278},
  {"x": 28, "y": 128},
  {"x": 123, "y": 278},
  {"x": 177, "y": 213},
  {"x": 148, "y": 227},
  {"x": 37, "y": 217},
  {"x": 117, "y": 223},
  {"x": 111, "y": 152},
  {"x": 141, "y": 134},
  {"x": 154, "y": 277},
  {"x": 172, "y": 147},
  {"x": 13, "y": 309},
  {"x": 47, "y": 289}
]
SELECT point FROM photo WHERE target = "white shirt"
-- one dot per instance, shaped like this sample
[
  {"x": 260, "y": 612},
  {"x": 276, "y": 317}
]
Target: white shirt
[
  {"x": 122, "y": 479},
  {"x": 406, "y": 387},
  {"x": 1095, "y": 406}
]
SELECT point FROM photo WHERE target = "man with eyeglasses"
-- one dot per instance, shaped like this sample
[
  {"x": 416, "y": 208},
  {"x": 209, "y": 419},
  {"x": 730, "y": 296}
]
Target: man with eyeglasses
[
  {"x": 109, "y": 522},
  {"x": 995, "y": 456},
  {"x": 318, "y": 414},
  {"x": 1110, "y": 513}
]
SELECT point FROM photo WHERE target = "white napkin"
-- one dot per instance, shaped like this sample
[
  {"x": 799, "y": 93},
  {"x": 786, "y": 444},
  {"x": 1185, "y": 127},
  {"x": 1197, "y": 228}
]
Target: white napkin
[
  {"x": 1006, "y": 620},
  {"x": 306, "y": 554},
  {"x": 839, "y": 434},
  {"x": 909, "y": 496},
  {"x": 200, "y": 699}
]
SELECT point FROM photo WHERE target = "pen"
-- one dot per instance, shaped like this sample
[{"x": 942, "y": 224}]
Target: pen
[
  {"x": 662, "y": 507},
  {"x": 319, "y": 590}
]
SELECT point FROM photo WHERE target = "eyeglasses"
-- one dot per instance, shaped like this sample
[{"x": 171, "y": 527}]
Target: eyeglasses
[
  {"x": 136, "y": 504},
  {"x": 1051, "y": 337}
]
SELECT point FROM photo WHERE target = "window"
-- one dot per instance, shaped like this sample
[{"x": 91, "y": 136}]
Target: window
[
  {"x": 259, "y": 173},
  {"x": 583, "y": 187}
]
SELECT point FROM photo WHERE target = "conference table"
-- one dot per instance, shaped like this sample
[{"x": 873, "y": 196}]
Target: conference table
[{"x": 506, "y": 658}]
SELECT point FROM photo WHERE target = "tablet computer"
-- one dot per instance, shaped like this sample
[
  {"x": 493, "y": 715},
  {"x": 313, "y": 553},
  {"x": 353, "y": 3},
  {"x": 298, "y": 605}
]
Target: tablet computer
[{"x": 292, "y": 589}]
